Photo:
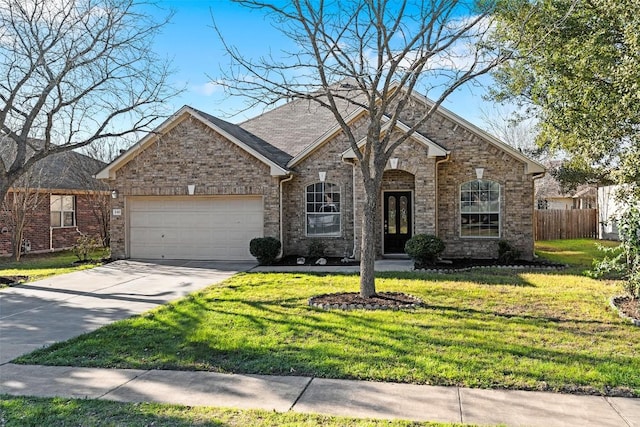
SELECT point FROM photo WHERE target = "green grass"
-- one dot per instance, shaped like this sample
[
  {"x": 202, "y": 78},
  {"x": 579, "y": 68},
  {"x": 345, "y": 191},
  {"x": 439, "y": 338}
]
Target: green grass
[
  {"x": 489, "y": 328},
  {"x": 44, "y": 265},
  {"x": 574, "y": 252},
  {"x": 36, "y": 412}
]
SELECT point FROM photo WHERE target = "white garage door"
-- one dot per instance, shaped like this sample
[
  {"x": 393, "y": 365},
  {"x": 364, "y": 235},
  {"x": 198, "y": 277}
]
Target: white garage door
[{"x": 216, "y": 228}]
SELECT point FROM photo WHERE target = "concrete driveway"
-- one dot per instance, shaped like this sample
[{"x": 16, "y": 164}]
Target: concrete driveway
[{"x": 58, "y": 308}]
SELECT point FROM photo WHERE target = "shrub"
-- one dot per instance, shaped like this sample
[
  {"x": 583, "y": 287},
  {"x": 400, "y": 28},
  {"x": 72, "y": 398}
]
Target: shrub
[
  {"x": 316, "y": 249},
  {"x": 625, "y": 262},
  {"x": 265, "y": 249},
  {"x": 424, "y": 249},
  {"x": 507, "y": 253},
  {"x": 84, "y": 246}
]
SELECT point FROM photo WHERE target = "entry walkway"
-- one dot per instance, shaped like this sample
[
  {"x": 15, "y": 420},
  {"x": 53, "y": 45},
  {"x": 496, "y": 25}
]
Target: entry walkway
[{"x": 323, "y": 396}]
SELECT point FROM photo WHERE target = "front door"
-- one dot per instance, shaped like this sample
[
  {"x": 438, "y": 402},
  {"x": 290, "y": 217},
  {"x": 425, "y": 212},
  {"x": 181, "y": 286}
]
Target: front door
[{"x": 397, "y": 221}]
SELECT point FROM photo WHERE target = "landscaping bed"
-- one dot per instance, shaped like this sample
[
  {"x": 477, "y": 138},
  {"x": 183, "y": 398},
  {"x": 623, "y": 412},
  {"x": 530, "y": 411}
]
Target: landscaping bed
[
  {"x": 12, "y": 280},
  {"x": 628, "y": 308},
  {"x": 353, "y": 301}
]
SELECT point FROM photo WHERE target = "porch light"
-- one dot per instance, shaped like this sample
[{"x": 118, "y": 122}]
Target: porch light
[
  {"x": 479, "y": 173},
  {"x": 191, "y": 189},
  {"x": 394, "y": 162},
  {"x": 322, "y": 176},
  {"x": 114, "y": 194}
]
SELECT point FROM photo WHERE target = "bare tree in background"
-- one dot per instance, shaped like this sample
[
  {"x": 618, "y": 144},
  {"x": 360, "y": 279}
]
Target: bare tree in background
[
  {"x": 74, "y": 72},
  {"x": 386, "y": 50},
  {"x": 516, "y": 130}
]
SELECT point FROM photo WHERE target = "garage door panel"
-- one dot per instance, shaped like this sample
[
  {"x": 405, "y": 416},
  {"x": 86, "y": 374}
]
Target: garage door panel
[{"x": 194, "y": 228}]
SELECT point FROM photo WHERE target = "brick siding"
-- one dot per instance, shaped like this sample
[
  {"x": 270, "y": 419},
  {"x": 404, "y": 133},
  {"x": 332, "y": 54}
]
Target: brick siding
[
  {"x": 192, "y": 153},
  {"x": 37, "y": 229}
]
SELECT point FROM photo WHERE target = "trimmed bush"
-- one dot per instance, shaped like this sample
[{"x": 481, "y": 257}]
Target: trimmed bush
[
  {"x": 507, "y": 253},
  {"x": 424, "y": 249},
  {"x": 265, "y": 249}
]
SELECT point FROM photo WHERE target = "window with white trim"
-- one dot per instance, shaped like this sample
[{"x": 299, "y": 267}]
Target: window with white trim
[
  {"x": 323, "y": 209},
  {"x": 480, "y": 209},
  {"x": 63, "y": 211}
]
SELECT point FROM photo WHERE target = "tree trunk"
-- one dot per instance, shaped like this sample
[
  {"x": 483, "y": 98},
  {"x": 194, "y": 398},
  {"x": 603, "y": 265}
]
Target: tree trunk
[
  {"x": 16, "y": 243},
  {"x": 368, "y": 245}
]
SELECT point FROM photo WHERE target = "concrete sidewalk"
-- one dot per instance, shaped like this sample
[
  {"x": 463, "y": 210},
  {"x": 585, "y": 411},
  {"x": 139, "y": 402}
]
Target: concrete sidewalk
[{"x": 323, "y": 396}]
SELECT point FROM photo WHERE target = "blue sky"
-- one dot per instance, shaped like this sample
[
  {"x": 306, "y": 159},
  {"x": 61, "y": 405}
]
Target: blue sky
[{"x": 197, "y": 55}]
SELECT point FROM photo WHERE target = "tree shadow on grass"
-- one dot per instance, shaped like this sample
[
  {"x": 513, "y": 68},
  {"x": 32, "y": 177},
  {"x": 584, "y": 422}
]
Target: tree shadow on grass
[{"x": 438, "y": 344}]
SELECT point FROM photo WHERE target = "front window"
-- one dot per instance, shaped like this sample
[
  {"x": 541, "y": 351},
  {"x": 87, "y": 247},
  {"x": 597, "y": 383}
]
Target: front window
[
  {"x": 323, "y": 209},
  {"x": 480, "y": 209},
  {"x": 63, "y": 211}
]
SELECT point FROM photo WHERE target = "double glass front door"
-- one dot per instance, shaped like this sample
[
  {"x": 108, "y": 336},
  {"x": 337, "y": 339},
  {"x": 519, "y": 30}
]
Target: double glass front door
[{"x": 397, "y": 221}]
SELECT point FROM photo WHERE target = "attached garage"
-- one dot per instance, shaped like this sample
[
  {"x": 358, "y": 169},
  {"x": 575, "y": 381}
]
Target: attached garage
[{"x": 205, "y": 228}]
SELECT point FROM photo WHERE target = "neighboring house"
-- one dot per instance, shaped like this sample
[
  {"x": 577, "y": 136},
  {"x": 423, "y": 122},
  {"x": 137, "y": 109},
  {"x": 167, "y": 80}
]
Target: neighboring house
[
  {"x": 201, "y": 188},
  {"x": 64, "y": 200},
  {"x": 549, "y": 193}
]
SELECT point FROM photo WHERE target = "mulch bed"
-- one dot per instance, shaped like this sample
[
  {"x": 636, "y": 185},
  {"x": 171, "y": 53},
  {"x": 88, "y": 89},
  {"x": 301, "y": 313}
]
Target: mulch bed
[
  {"x": 628, "y": 308},
  {"x": 454, "y": 264},
  {"x": 12, "y": 280},
  {"x": 290, "y": 260},
  {"x": 353, "y": 301}
]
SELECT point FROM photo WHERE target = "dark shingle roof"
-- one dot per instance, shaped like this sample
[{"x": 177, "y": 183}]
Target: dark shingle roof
[
  {"x": 294, "y": 126},
  {"x": 68, "y": 170},
  {"x": 258, "y": 144}
]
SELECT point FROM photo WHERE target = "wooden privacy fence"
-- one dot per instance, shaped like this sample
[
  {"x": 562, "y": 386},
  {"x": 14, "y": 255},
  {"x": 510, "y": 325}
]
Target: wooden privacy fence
[{"x": 550, "y": 224}]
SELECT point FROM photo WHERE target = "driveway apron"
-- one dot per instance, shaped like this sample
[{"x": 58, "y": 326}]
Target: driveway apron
[{"x": 55, "y": 309}]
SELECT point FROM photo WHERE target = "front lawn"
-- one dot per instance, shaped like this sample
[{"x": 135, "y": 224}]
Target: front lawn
[
  {"x": 574, "y": 252},
  {"x": 37, "y": 412},
  {"x": 487, "y": 328},
  {"x": 39, "y": 266}
]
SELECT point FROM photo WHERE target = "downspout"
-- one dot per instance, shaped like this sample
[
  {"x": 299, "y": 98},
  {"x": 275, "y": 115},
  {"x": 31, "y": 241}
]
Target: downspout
[
  {"x": 533, "y": 196},
  {"x": 353, "y": 207},
  {"x": 282, "y": 181},
  {"x": 446, "y": 159}
]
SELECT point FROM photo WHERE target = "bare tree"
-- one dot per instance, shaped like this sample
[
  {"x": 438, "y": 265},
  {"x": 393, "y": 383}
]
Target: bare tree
[
  {"x": 517, "y": 130},
  {"x": 73, "y": 72},
  {"x": 387, "y": 50},
  {"x": 20, "y": 205},
  {"x": 82, "y": 169}
]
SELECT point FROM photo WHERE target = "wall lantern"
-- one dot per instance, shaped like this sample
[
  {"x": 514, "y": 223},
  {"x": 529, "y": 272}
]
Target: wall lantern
[
  {"x": 191, "y": 189},
  {"x": 394, "y": 162},
  {"x": 479, "y": 173},
  {"x": 322, "y": 176},
  {"x": 114, "y": 194}
]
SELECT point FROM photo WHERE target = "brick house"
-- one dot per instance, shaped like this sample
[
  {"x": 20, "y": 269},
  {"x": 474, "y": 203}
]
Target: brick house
[
  {"x": 61, "y": 200},
  {"x": 201, "y": 188}
]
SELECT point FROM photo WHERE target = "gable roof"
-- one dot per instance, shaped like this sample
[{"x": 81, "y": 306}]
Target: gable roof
[
  {"x": 256, "y": 143},
  {"x": 68, "y": 170},
  {"x": 532, "y": 167},
  {"x": 301, "y": 126},
  {"x": 435, "y": 150},
  {"x": 273, "y": 157}
]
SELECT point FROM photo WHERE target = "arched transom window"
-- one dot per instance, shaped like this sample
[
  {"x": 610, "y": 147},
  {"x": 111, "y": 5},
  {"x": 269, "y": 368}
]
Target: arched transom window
[
  {"x": 480, "y": 209},
  {"x": 323, "y": 209}
]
